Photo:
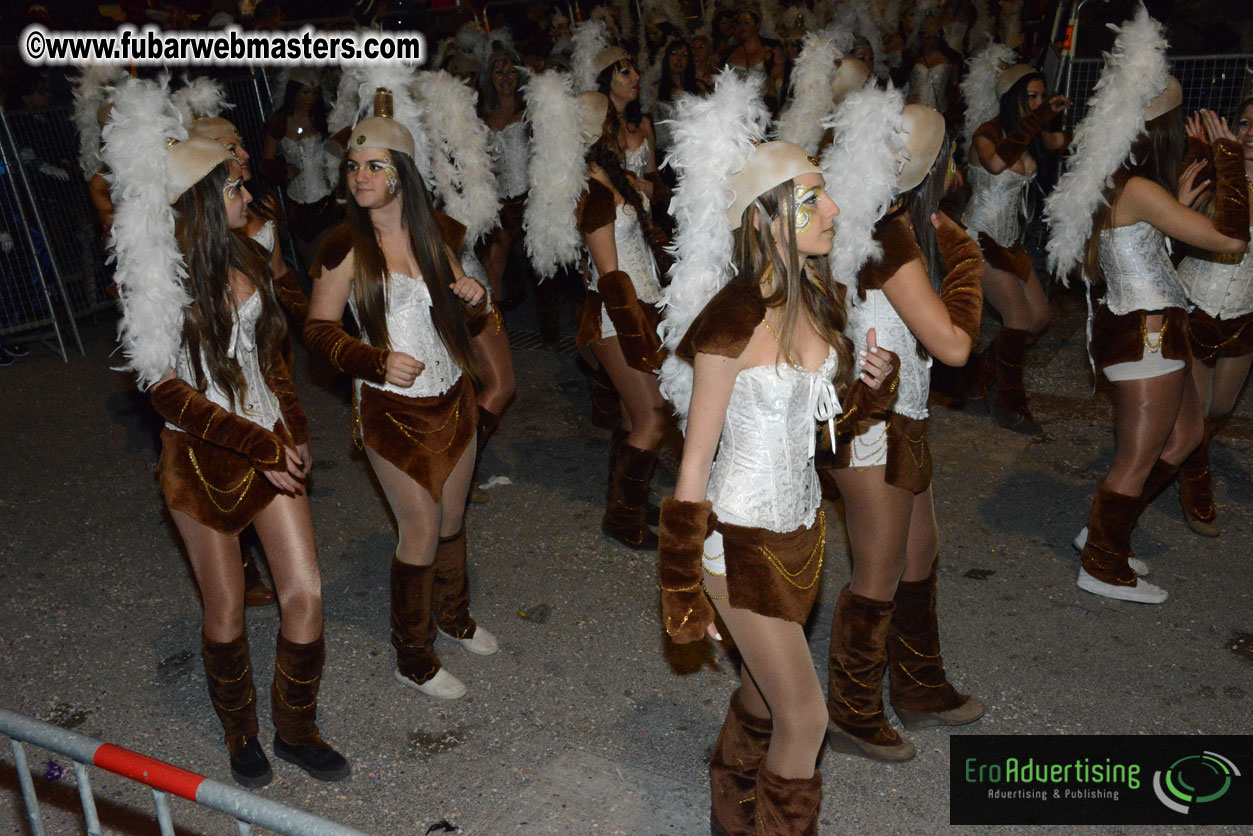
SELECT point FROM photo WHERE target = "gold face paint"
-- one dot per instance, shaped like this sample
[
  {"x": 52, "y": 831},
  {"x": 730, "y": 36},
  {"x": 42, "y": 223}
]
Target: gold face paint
[{"x": 806, "y": 199}]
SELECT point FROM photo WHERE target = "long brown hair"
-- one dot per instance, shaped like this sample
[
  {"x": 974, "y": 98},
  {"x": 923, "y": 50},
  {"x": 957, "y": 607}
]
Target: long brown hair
[
  {"x": 211, "y": 249},
  {"x": 369, "y": 271},
  {"x": 1155, "y": 155},
  {"x": 607, "y": 153},
  {"x": 757, "y": 251}
]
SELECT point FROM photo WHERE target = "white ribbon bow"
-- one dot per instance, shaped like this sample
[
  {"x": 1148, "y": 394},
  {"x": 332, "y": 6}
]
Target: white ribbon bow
[{"x": 824, "y": 406}]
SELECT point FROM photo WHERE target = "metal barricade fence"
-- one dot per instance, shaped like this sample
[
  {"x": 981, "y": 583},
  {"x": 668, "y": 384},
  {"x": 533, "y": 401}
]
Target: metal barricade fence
[
  {"x": 165, "y": 779},
  {"x": 1216, "y": 82}
]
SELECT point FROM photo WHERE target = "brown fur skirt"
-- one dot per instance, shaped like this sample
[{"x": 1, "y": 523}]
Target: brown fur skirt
[
  {"x": 1010, "y": 259},
  {"x": 214, "y": 486},
  {"x": 908, "y": 454},
  {"x": 1213, "y": 339},
  {"x": 1120, "y": 338},
  {"x": 424, "y": 437},
  {"x": 772, "y": 574}
]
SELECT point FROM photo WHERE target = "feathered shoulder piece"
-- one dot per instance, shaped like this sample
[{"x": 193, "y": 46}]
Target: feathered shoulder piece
[
  {"x": 558, "y": 172},
  {"x": 801, "y": 122},
  {"x": 150, "y": 273},
  {"x": 590, "y": 39},
  {"x": 461, "y": 164},
  {"x": 712, "y": 140},
  {"x": 200, "y": 97},
  {"x": 399, "y": 79},
  {"x": 1135, "y": 72},
  {"x": 91, "y": 93},
  {"x": 978, "y": 88},
  {"x": 860, "y": 168}
]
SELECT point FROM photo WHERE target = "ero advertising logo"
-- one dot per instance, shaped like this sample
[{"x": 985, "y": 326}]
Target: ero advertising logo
[{"x": 1194, "y": 779}]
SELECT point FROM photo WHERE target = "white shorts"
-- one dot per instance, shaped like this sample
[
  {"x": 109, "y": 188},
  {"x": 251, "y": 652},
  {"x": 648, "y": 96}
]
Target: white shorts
[
  {"x": 714, "y": 560},
  {"x": 870, "y": 448},
  {"x": 1153, "y": 364}
]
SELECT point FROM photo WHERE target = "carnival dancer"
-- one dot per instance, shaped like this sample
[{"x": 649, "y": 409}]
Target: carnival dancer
[
  {"x": 1221, "y": 327},
  {"x": 1132, "y": 137},
  {"x": 203, "y": 332},
  {"x": 393, "y": 263},
  {"x": 759, "y": 356},
  {"x": 921, "y": 300},
  {"x": 1005, "y": 152}
]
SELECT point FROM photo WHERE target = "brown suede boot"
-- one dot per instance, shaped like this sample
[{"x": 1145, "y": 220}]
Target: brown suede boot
[
  {"x": 1012, "y": 411},
  {"x": 451, "y": 597},
  {"x": 787, "y": 806},
  {"x": 1105, "y": 570},
  {"x": 733, "y": 766},
  {"x": 413, "y": 633},
  {"x": 1196, "y": 489},
  {"x": 978, "y": 376},
  {"x": 921, "y": 693},
  {"x": 859, "y": 631},
  {"x": 228, "y": 670},
  {"x": 294, "y": 705},
  {"x": 626, "y": 508},
  {"x": 256, "y": 593}
]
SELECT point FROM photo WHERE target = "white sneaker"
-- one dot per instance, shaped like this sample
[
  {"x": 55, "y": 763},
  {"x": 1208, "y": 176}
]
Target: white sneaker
[
  {"x": 1142, "y": 592},
  {"x": 481, "y": 643},
  {"x": 441, "y": 686},
  {"x": 1138, "y": 566}
]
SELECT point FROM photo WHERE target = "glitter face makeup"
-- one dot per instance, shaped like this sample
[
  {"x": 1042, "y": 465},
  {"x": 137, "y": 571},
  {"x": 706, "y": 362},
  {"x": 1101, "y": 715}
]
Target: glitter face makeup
[{"x": 806, "y": 198}]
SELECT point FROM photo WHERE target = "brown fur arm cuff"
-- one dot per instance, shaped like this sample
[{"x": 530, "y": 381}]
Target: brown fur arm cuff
[
  {"x": 283, "y": 386},
  {"x": 685, "y": 611},
  {"x": 347, "y": 354},
  {"x": 636, "y": 331},
  {"x": 861, "y": 403},
  {"x": 1231, "y": 191},
  {"x": 181, "y": 405},
  {"x": 1199, "y": 151},
  {"x": 962, "y": 288},
  {"x": 596, "y": 208},
  {"x": 1012, "y": 146},
  {"x": 291, "y": 296}
]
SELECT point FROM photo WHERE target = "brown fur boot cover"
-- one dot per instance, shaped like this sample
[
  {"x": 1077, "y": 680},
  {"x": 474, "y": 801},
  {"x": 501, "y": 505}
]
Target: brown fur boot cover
[
  {"x": 1011, "y": 355},
  {"x": 1196, "y": 488},
  {"x": 787, "y": 806},
  {"x": 413, "y": 627},
  {"x": 1113, "y": 517},
  {"x": 1158, "y": 478},
  {"x": 451, "y": 592},
  {"x": 739, "y": 752},
  {"x": 859, "y": 632},
  {"x": 916, "y": 666},
  {"x": 606, "y": 405},
  {"x": 685, "y": 611},
  {"x": 228, "y": 670},
  {"x": 294, "y": 693},
  {"x": 627, "y": 504}
]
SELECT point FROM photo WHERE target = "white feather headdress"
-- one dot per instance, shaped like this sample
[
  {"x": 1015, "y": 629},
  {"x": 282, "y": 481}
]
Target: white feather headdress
[
  {"x": 860, "y": 170},
  {"x": 857, "y": 16},
  {"x": 200, "y": 97},
  {"x": 801, "y": 122},
  {"x": 399, "y": 79},
  {"x": 712, "y": 139},
  {"x": 979, "y": 86},
  {"x": 461, "y": 164},
  {"x": 558, "y": 172},
  {"x": 590, "y": 39},
  {"x": 344, "y": 112},
  {"x": 1135, "y": 72},
  {"x": 91, "y": 91},
  {"x": 150, "y": 270}
]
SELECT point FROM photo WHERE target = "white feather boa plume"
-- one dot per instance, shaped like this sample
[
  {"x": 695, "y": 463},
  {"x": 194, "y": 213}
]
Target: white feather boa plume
[
  {"x": 979, "y": 86},
  {"x": 815, "y": 69},
  {"x": 150, "y": 270},
  {"x": 90, "y": 92},
  {"x": 1135, "y": 72},
  {"x": 860, "y": 170},
  {"x": 344, "y": 113},
  {"x": 399, "y": 79},
  {"x": 712, "y": 139},
  {"x": 590, "y": 39},
  {"x": 461, "y": 164},
  {"x": 200, "y": 97},
  {"x": 558, "y": 172},
  {"x": 857, "y": 16}
]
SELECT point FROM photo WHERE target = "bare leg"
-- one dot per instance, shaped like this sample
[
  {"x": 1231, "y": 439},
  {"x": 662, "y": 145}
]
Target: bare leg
[
  {"x": 924, "y": 539},
  {"x": 1229, "y": 377},
  {"x": 452, "y": 504},
  {"x": 1145, "y": 412},
  {"x": 215, "y": 562},
  {"x": 643, "y": 407},
  {"x": 286, "y": 531},
  {"x": 877, "y": 516},
  {"x": 417, "y": 514}
]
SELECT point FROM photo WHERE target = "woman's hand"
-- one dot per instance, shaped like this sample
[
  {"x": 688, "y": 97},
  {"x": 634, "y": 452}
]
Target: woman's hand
[
  {"x": 712, "y": 631},
  {"x": 1058, "y": 103},
  {"x": 875, "y": 365},
  {"x": 641, "y": 185},
  {"x": 1194, "y": 126},
  {"x": 1189, "y": 191},
  {"x": 468, "y": 291},
  {"x": 292, "y": 172},
  {"x": 402, "y": 369},
  {"x": 289, "y": 481},
  {"x": 306, "y": 459},
  {"x": 1216, "y": 126}
]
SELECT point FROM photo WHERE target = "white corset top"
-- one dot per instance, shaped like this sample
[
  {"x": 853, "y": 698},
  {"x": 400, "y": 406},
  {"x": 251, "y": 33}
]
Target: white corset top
[
  {"x": 930, "y": 84},
  {"x": 265, "y": 236},
  {"x": 1138, "y": 272},
  {"x": 892, "y": 333},
  {"x": 312, "y": 183},
  {"x": 510, "y": 159},
  {"x": 1224, "y": 291},
  {"x": 259, "y": 403},
  {"x": 997, "y": 204},
  {"x": 412, "y": 331},
  {"x": 634, "y": 256},
  {"x": 764, "y": 474}
]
